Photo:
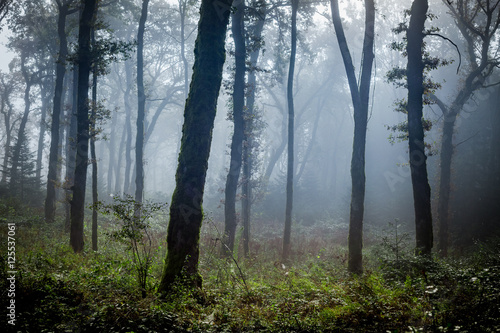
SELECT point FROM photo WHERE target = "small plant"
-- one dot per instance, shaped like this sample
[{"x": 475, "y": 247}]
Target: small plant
[{"x": 134, "y": 231}]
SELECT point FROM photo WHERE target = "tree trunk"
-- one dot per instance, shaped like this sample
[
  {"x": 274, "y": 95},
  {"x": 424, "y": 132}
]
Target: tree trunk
[
  {"x": 233, "y": 175},
  {"x": 93, "y": 157},
  {"x": 186, "y": 206},
  {"x": 82, "y": 139},
  {"x": 141, "y": 98},
  {"x": 291, "y": 114},
  {"x": 112, "y": 147},
  {"x": 29, "y": 79},
  {"x": 445, "y": 182},
  {"x": 71, "y": 148},
  {"x": 128, "y": 124},
  {"x": 246, "y": 187},
  {"x": 360, "y": 99},
  {"x": 50, "y": 200},
  {"x": 45, "y": 96},
  {"x": 418, "y": 164}
]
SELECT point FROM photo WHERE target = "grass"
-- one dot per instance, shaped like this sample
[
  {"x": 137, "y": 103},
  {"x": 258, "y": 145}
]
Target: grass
[{"x": 59, "y": 291}]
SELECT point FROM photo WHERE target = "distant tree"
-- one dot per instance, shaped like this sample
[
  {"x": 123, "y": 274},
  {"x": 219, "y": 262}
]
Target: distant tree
[
  {"x": 186, "y": 207},
  {"x": 238, "y": 98},
  {"x": 50, "y": 200},
  {"x": 291, "y": 115},
  {"x": 478, "y": 23},
  {"x": 360, "y": 95},
  {"x": 141, "y": 98},
  {"x": 418, "y": 165},
  {"x": 82, "y": 141}
]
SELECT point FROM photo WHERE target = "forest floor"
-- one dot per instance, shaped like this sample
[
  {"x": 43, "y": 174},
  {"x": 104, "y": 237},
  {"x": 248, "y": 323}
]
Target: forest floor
[{"x": 59, "y": 291}]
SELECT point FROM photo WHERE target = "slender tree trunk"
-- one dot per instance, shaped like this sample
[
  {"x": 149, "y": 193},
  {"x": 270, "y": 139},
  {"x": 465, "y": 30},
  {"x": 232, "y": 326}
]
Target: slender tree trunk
[
  {"x": 93, "y": 156},
  {"x": 50, "y": 199},
  {"x": 246, "y": 187},
  {"x": 84, "y": 63},
  {"x": 7, "y": 110},
  {"x": 111, "y": 152},
  {"x": 128, "y": 124},
  {"x": 183, "y": 16},
  {"x": 141, "y": 98},
  {"x": 29, "y": 79},
  {"x": 199, "y": 114},
  {"x": 445, "y": 182},
  {"x": 233, "y": 175},
  {"x": 71, "y": 148},
  {"x": 418, "y": 164},
  {"x": 45, "y": 96},
  {"x": 291, "y": 114},
  {"x": 360, "y": 99},
  {"x": 118, "y": 181}
]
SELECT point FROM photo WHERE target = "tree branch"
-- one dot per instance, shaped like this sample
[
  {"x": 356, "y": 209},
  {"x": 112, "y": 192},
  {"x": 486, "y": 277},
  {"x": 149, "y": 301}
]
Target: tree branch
[{"x": 449, "y": 40}]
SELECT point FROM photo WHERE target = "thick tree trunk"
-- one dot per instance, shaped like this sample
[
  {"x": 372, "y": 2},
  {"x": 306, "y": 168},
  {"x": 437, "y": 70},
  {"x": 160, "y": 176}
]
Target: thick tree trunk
[
  {"x": 82, "y": 140},
  {"x": 360, "y": 99},
  {"x": 199, "y": 114},
  {"x": 291, "y": 115},
  {"x": 418, "y": 164},
  {"x": 233, "y": 175},
  {"x": 50, "y": 199},
  {"x": 141, "y": 98}
]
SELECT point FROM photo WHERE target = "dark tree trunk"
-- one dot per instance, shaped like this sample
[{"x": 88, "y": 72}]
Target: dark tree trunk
[
  {"x": 233, "y": 175},
  {"x": 445, "y": 182},
  {"x": 82, "y": 139},
  {"x": 418, "y": 164},
  {"x": 141, "y": 98},
  {"x": 7, "y": 109},
  {"x": 93, "y": 157},
  {"x": 50, "y": 199},
  {"x": 247, "y": 160},
  {"x": 186, "y": 206},
  {"x": 360, "y": 99},
  {"x": 291, "y": 114},
  {"x": 71, "y": 148}
]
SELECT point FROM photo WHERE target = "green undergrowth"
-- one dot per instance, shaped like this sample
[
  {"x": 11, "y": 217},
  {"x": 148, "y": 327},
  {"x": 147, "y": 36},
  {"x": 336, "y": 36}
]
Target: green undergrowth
[{"x": 59, "y": 291}]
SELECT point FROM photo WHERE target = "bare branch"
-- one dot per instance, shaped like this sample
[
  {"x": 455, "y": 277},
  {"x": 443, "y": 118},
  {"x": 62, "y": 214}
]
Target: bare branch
[{"x": 449, "y": 40}]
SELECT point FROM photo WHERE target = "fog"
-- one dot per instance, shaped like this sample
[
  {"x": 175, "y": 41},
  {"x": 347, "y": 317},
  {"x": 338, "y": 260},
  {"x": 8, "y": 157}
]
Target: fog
[{"x": 324, "y": 118}]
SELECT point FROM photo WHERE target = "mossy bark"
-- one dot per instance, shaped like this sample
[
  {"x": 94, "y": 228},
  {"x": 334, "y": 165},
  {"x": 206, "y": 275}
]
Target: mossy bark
[{"x": 186, "y": 212}]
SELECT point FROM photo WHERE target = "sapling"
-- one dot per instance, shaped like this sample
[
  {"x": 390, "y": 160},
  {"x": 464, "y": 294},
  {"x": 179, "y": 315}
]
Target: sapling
[{"x": 134, "y": 231}]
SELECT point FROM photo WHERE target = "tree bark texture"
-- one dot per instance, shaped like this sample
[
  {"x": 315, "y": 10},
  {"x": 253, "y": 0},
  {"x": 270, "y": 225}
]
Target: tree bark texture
[
  {"x": 233, "y": 175},
  {"x": 82, "y": 138},
  {"x": 291, "y": 114},
  {"x": 418, "y": 164},
  {"x": 93, "y": 155},
  {"x": 360, "y": 99},
  {"x": 71, "y": 148},
  {"x": 186, "y": 207}
]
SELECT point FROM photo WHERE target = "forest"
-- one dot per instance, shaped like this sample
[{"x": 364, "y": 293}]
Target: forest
[{"x": 250, "y": 166}]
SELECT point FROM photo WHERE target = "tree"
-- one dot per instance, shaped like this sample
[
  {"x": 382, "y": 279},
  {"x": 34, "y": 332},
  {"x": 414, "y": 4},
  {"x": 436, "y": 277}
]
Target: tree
[
  {"x": 418, "y": 164},
  {"x": 291, "y": 114},
  {"x": 141, "y": 98},
  {"x": 478, "y": 23},
  {"x": 82, "y": 140},
  {"x": 199, "y": 113},
  {"x": 238, "y": 30},
  {"x": 50, "y": 201},
  {"x": 360, "y": 96}
]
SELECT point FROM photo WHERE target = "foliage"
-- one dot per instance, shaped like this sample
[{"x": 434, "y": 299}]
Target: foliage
[
  {"x": 134, "y": 231},
  {"x": 59, "y": 291}
]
